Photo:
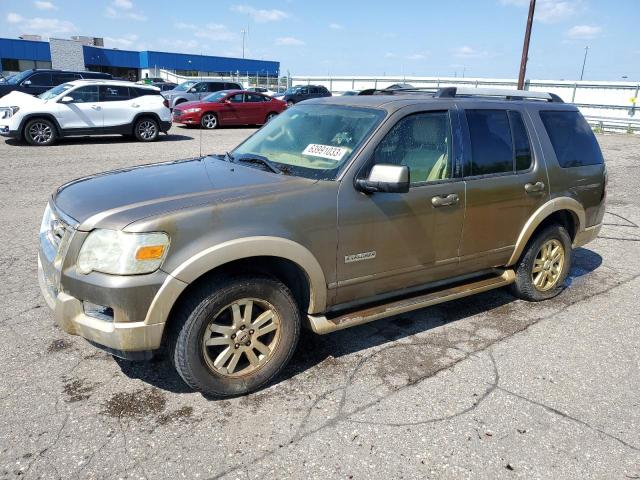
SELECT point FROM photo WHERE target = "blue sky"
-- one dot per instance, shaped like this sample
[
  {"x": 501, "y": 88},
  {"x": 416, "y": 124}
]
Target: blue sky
[{"x": 478, "y": 37}]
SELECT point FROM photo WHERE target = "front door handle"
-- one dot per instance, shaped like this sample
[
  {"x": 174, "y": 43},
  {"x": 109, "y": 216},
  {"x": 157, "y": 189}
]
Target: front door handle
[
  {"x": 445, "y": 200},
  {"x": 534, "y": 187},
  {"x": 135, "y": 105},
  {"x": 95, "y": 107}
]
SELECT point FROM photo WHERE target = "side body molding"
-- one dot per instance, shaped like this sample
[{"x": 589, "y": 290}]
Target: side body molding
[
  {"x": 237, "y": 249},
  {"x": 553, "y": 205}
]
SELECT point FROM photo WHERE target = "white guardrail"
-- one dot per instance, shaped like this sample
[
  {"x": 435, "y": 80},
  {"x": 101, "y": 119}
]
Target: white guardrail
[{"x": 605, "y": 105}]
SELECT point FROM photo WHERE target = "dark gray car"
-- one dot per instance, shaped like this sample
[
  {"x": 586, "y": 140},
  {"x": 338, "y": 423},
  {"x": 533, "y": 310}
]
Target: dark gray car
[{"x": 196, "y": 90}]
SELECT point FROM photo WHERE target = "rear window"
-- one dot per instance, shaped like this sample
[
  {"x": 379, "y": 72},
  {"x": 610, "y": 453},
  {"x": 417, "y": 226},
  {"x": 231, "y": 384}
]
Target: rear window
[{"x": 573, "y": 140}]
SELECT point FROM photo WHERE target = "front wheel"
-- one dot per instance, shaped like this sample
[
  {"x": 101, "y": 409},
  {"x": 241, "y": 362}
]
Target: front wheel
[
  {"x": 544, "y": 265},
  {"x": 40, "y": 132},
  {"x": 290, "y": 103},
  {"x": 146, "y": 129},
  {"x": 234, "y": 335},
  {"x": 209, "y": 121}
]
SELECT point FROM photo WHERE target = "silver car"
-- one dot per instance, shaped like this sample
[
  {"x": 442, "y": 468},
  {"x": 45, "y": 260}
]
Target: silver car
[{"x": 196, "y": 90}]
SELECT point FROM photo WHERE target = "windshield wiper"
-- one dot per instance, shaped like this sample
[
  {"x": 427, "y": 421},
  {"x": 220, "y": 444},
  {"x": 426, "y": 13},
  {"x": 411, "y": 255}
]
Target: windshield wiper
[{"x": 252, "y": 158}]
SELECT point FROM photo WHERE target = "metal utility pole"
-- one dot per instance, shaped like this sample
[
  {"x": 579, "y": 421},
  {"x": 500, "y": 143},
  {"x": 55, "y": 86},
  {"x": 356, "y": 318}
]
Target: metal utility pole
[
  {"x": 243, "y": 31},
  {"x": 525, "y": 47},
  {"x": 584, "y": 62}
]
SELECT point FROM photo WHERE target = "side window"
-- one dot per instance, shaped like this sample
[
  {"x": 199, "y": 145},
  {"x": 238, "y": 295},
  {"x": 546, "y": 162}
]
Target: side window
[
  {"x": 201, "y": 87},
  {"x": 252, "y": 97},
  {"x": 491, "y": 145},
  {"x": 88, "y": 94},
  {"x": 422, "y": 142},
  {"x": 40, "y": 80},
  {"x": 213, "y": 87},
  {"x": 231, "y": 86},
  {"x": 114, "y": 93},
  {"x": 572, "y": 139},
  {"x": 521, "y": 144},
  {"x": 303, "y": 91},
  {"x": 237, "y": 98},
  {"x": 59, "y": 78},
  {"x": 314, "y": 90}
]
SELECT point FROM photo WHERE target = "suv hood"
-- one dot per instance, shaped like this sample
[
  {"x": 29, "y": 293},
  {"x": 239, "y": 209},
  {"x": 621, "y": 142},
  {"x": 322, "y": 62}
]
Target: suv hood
[
  {"x": 120, "y": 197},
  {"x": 20, "y": 99}
]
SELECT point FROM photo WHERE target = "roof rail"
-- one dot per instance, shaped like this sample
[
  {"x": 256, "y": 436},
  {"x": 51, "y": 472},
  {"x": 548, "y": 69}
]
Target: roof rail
[{"x": 452, "y": 92}]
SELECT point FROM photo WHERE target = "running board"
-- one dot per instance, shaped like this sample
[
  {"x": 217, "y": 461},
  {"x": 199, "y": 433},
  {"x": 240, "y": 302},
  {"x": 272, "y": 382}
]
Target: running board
[{"x": 321, "y": 325}]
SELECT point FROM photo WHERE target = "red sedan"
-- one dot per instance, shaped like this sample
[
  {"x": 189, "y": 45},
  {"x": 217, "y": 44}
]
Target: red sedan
[{"x": 228, "y": 107}]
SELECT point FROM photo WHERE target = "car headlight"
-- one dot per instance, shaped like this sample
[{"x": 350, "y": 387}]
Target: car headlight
[
  {"x": 120, "y": 253},
  {"x": 8, "y": 112},
  {"x": 192, "y": 110}
]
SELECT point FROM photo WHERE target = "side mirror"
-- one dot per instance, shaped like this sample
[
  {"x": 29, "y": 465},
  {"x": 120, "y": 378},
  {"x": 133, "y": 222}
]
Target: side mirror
[
  {"x": 26, "y": 83},
  {"x": 66, "y": 99},
  {"x": 227, "y": 101},
  {"x": 386, "y": 178},
  {"x": 192, "y": 90}
]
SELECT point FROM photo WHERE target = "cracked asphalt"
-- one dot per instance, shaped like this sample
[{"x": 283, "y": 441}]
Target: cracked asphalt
[{"x": 483, "y": 387}]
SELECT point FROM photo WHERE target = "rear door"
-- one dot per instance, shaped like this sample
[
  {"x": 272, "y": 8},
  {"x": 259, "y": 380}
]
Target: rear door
[
  {"x": 254, "y": 109},
  {"x": 118, "y": 106},
  {"x": 506, "y": 182},
  {"x": 84, "y": 112}
]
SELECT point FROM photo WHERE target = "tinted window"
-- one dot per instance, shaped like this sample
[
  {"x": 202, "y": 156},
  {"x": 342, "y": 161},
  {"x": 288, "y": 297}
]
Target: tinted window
[
  {"x": 40, "y": 80},
  {"x": 114, "y": 93},
  {"x": 231, "y": 86},
  {"x": 520, "y": 142},
  {"x": 423, "y": 143},
  {"x": 314, "y": 90},
  {"x": 201, "y": 87},
  {"x": 237, "y": 98},
  {"x": 572, "y": 139},
  {"x": 303, "y": 91},
  {"x": 85, "y": 94},
  {"x": 215, "y": 87},
  {"x": 141, "y": 92},
  {"x": 491, "y": 146},
  {"x": 252, "y": 97},
  {"x": 59, "y": 78}
]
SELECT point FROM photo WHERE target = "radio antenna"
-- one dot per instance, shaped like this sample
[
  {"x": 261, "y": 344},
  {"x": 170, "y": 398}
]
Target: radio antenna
[{"x": 201, "y": 64}]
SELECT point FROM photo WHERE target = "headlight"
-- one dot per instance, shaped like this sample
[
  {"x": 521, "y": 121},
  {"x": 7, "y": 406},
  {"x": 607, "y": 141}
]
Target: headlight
[
  {"x": 47, "y": 217},
  {"x": 8, "y": 112},
  {"x": 121, "y": 253},
  {"x": 192, "y": 110}
]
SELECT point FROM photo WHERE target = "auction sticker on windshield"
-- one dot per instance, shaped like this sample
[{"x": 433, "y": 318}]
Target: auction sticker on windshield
[{"x": 325, "y": 151}]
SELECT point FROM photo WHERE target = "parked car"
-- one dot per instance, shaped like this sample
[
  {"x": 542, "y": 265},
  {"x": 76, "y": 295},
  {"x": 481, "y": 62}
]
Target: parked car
[
  {"x": 37, "y": 81},
  {"x": 229, "y": 107},
  {"x": 263, "y": 90},
  {"x": 223, "y": 259},
  {"x": 85, "y": 107},
  {"x": 299, "y": 93},
  {"x": 164, "y": 86},
  {"x": 197, "y": 90},
  {"x": 350, "y": 93}
]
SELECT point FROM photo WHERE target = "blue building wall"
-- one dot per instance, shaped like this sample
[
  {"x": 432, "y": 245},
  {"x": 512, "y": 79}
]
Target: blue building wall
[{"x": 39, "y": 51}]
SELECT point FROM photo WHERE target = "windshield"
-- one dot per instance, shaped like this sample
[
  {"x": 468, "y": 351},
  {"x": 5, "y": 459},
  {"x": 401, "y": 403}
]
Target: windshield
[
  {"x": 18, "y": 77},
  {"x": 185, "y": 85},
  {"x": 55, "y": 91},
  {"x": 312, "y": 141},
  {"x": 216, "y": 97}
]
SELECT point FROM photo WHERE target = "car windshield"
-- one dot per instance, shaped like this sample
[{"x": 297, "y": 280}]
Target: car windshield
[
  {"x": 216, "y": 97},
  {"x": 312, "y": 141},
  {"x": 185, "y": 85},
  {"x": 55, "y": 91},
  {"x": 18, "y": 77}
]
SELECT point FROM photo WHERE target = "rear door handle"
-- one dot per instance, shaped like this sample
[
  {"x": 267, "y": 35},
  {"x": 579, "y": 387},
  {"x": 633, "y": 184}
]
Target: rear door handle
[
  {"x": 95, "y": 107},
  {"x": 135, "y": 105},
  {"x": 534, "y": 187},
  {"x": 445, "y": 200}
]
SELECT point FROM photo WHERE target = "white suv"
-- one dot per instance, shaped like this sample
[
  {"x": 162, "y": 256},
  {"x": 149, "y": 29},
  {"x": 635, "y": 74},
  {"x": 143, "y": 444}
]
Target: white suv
[{"x": 85, "y": 107}]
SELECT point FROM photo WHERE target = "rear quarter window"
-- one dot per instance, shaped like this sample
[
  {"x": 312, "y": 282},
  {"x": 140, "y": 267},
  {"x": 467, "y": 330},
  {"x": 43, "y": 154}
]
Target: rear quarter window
[{"x": 572, "y": 139}]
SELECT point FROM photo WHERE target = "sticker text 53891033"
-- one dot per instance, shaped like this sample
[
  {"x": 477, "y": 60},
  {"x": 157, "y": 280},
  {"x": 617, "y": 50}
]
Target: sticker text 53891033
[{"x": 325, "y": 151}]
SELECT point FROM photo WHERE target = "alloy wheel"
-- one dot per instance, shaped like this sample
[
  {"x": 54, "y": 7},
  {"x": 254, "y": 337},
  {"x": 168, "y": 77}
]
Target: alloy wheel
[
  {"x": 40, "y": 133},
  {"x": 241, "y": 338},
  {"x": 548, "y": 265},
  {"x": 209, "y": 121},
  {"x": 147, "y": 129}
]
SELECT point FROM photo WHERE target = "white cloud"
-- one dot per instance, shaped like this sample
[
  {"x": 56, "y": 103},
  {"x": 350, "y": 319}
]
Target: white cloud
[
  {"x": 289, "y": 41},
  {"x": 469, "y": 52},
  {"x": 583, "y": 32},
  {"x": 123, "y": 4},
  {"x": 335, "y": 26},
  {"x": 186, "y": 26},
  {"x": 260, "y": 15},
  {"x": 124, "y": 9},
  {"x": 125, "y": 41},
  {"x": 550, "y": 11},
  {"x": 41, "y": 26},
  {"x": 42, "y": 5},
  {"x": 215, "y": 31}
]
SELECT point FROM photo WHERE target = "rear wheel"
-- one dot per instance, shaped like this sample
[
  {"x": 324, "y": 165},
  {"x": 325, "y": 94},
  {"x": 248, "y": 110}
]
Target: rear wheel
[
  {"x": 234, "y": 335},
  {"x": 40, "y": 132},
  {"x": 290, "y": 103},
  {"x": 270, "y": 117},
  {"x": 544, "y": 265},
  {"x": 209, "y": 121},
  {"x": 146, "y": 129}
]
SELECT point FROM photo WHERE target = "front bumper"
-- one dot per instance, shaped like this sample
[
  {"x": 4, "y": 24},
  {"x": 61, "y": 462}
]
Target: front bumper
[
  {"x": 186, "y": 118},
  {"x": 165, "y": 125},
  {"x": 589, "y": 234},
  {"x": 5, "y": 131}
]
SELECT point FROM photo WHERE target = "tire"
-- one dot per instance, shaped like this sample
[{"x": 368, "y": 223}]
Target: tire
[
  {"x": 209, "y": 121},
  {"x": 209, "y": 316},
  {"x": 290, "y": 103},
  {"x": 146, "y": 129},
  {"x": 40, "y": 132},
  {"x": 270, "y": 116},
  {"x": 548, "y": 280}
]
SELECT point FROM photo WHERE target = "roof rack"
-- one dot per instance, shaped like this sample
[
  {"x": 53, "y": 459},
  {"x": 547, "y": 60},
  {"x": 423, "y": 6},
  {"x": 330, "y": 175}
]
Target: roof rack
[{"x": 452, "y": 92}]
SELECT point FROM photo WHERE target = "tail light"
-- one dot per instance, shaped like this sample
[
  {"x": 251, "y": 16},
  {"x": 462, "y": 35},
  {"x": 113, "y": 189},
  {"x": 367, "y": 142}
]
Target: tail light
[{"x": 165, "y": 102}]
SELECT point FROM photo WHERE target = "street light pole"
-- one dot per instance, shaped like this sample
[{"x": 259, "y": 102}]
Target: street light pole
[
  {"x": 243, "y": 31},
  {"x": 525, "y": 47},
  {"x": 584, "y": 62}
]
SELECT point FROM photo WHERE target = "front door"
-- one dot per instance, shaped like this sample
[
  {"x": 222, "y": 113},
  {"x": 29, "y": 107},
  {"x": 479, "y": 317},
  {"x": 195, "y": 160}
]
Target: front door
[
  {"x": 84, "y": 112},
  {"x": 230, "y": 112},
  {"x": 391, "y": 241},
  {"x": 506, "y": 183}
]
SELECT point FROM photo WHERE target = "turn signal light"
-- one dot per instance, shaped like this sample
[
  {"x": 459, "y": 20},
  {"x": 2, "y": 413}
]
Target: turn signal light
[{"x": 150, "y": 252}]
